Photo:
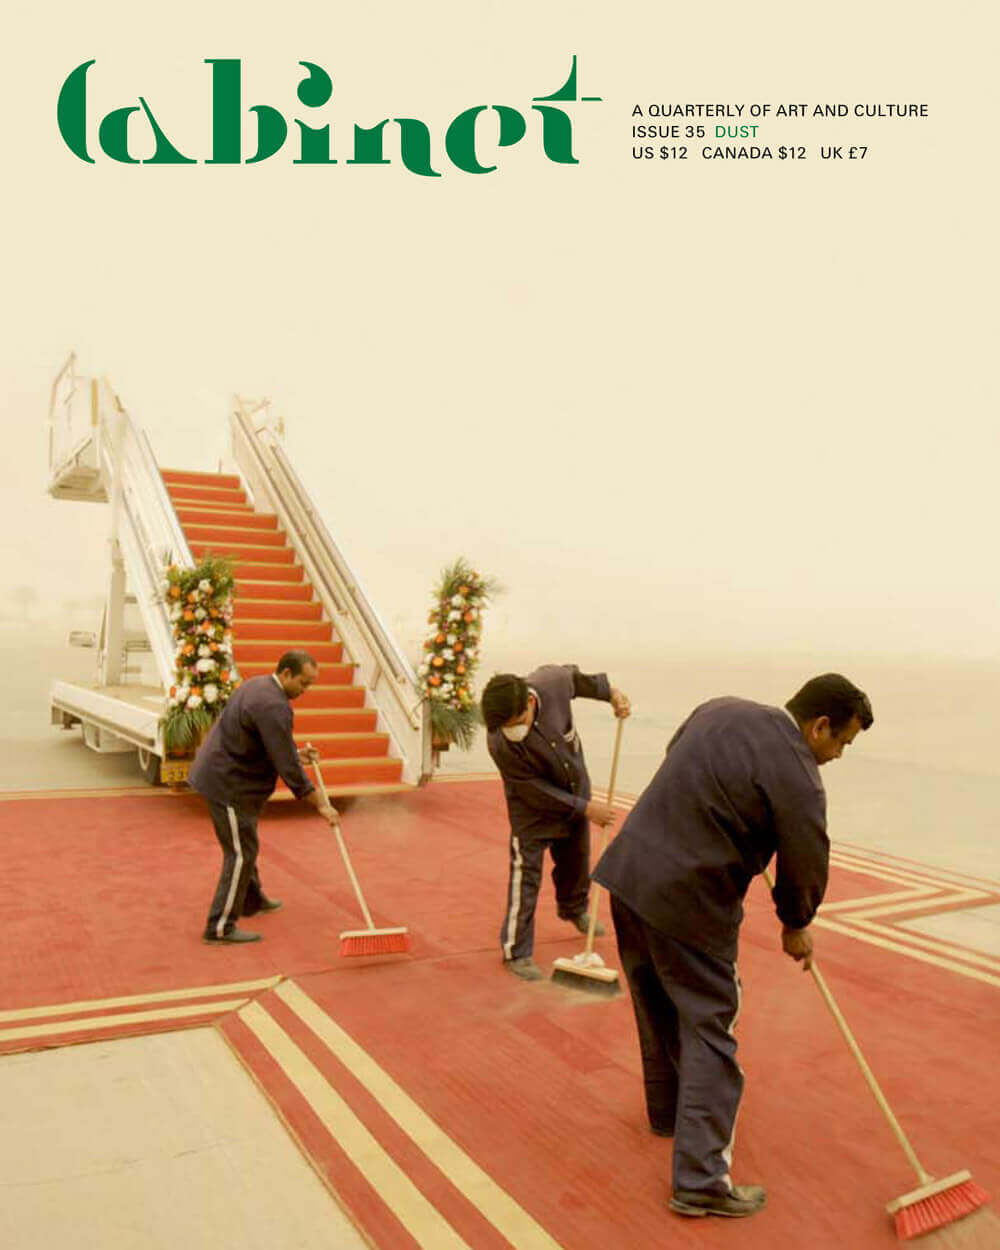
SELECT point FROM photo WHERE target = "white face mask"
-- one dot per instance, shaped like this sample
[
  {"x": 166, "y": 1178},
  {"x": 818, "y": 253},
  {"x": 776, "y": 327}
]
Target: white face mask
[{"x": 515, "y": 733}]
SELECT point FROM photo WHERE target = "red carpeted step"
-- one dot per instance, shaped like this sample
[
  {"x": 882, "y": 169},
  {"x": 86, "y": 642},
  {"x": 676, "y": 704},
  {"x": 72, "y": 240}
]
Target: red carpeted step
[
  {"x": 253, "y": 553},
  {"x": 247, "y": 519},
  {"x": 330, "y": 674},
  {"x": 226, "y": 536},
  {"x": 275, "y": 611},
  {"x": 338, "y": 772},
  {"x": 205, "y": 494},
  {"x": 350, "y": 746},
  {"x": 269, "y": 630},
  {"x": 333, "y": 720},
  {"x": 327, "y": 696},
  {"x": 259, "y": 588},
  {"x": 246, "y": 610},
  {"x": 185, "y": 477},
  {"x": 250, "y": 652},
  {"x": 252, "y": 571}
]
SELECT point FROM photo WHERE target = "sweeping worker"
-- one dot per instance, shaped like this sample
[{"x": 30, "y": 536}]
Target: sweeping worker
[
  {"x": 740, "y": 783},
  {"x": 534, "y": 744},
  {"x": 236, "y": 770}
]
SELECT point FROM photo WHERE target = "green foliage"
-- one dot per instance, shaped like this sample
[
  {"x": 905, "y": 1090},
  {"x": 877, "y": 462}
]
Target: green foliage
[
  {"x": 452, "y": 652},
  {"x": 200, "y": 605}
]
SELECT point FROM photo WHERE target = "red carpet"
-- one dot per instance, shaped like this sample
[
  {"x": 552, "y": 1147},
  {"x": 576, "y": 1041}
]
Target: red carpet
[{"x": 539, "y": 1085}]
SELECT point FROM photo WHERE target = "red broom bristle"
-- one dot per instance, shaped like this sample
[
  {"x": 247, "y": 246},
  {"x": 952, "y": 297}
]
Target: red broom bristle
[
  {"x": 375, "y": 944},
  {"x": 939, "y": 1209}
]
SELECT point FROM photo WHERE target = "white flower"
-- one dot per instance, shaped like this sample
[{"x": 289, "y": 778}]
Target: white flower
[
  {"x": 457, "y": 601},
  {"x": 194, "y": 701},
  {"x": 205, "y": 666},
  {"x": 204, "y": 584},
  {"x": 451, "y": 639},
  {"x": 204, "y": 649},
  {"x": 447, "y": 654},
  {"x": 211, "y": 693},
  {"x": 423, "y": 670},
  {"x": 175, "y": 612},
  {"x": 454, "y": 616},
  {"x": 200, "y": 614}
]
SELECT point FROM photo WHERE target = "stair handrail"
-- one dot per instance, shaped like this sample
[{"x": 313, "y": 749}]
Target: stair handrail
[
  {"x": 331, "y": 574},
  {"x": 167, "y": 540},
  {"x": 148, "y": 528},
  {"x": 399, "y": 666},
  {"x": 64, "y": 391},
  {"x": 364, "y": 614}
]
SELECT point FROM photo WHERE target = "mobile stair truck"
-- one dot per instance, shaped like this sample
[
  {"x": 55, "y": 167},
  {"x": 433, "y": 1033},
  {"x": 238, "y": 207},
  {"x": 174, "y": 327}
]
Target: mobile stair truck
[{"x": 293, "y": 589}]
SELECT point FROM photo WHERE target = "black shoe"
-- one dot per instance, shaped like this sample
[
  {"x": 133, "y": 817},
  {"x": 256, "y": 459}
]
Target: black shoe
[
  {"x": 234, "y": 936},
  {"x": 582, "y": 922},
  {"x": 525, "y": 968},
  {"x": 264, "y": 904},
  {"x": 741, "y": 1200}
]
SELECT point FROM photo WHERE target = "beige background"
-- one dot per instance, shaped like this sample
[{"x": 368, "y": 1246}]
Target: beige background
[{"x": 718, "y": 409}]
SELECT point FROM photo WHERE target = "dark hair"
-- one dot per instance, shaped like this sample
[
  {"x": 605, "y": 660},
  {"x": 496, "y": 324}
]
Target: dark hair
[
  {"x": 295, "y": 662},
  {"x": 504, "y": 697},
  {"x": 835, "y": 697}
]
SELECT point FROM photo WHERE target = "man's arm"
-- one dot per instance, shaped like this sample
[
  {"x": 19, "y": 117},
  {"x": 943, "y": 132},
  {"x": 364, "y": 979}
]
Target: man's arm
[
  {"x": 803, "y": 862},
  {"x": 274, "y": 725}
]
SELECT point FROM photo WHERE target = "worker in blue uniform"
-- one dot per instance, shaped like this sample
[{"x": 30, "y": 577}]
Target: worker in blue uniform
[
  {"x": 534, "y": 743},
  {"x": 740, "y": 783}
]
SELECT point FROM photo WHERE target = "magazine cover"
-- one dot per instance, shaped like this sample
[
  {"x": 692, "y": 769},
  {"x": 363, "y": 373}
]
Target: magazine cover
[{"x": 429, "y": 416}]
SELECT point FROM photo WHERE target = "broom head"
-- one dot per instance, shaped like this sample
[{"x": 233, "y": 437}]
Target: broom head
[
  {"x": 936, "y": 1204},
  {"x": 374, "y": 942},
  {"x": 586, "y": 971}
]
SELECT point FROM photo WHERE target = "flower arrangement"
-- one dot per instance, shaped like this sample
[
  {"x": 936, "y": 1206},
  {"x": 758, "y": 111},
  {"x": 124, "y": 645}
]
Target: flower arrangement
[
  {"x": 200, "y": 605},
  {"x": 452, "y": 653}
]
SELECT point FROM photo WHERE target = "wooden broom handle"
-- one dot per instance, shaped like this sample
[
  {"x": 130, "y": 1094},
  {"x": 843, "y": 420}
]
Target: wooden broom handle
[
  {"x": 595, "y": 892},
  {"x": 862, "y": 1062},
  {"x": 343, "y": 849}
]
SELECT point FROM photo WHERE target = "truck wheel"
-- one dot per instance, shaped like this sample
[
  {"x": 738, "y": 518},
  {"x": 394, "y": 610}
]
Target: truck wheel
[{"x": 149, "y": 763}]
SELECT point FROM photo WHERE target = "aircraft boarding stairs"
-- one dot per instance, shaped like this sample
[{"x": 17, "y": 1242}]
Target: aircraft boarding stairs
[{"x": 294, "y": 589}]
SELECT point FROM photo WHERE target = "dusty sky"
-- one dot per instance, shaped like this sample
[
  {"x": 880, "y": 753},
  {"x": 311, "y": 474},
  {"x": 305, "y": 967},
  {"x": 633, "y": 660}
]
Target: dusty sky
[{"x": 671, "y": 405}]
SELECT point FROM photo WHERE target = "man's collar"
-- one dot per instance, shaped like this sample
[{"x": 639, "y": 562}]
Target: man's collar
[{"x": 277, "y": 682}]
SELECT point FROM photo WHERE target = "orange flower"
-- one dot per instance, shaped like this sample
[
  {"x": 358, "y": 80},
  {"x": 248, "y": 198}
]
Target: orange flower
[
  {"x": 192, "y": 597},
  {"x": 188, "y": 614},
  {"x": 439, "y": 638},
  {"x": 189, "y": 649},
  {"x": 224, "y": 674},
  {"x": 460, "y": 669},
  {"x": 175, "y": 592},
  {"x": 463, "y": 590},
  {"x": 434, "y": 680},
  {"x": 468, "y": 617},
  {"x": 438, "y": 662},
  {"x": 459, "y": 646}
]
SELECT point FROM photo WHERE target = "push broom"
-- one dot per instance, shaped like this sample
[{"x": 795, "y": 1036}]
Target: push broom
[
  {"x": 586, "y": 971},
  {"x": 368, "y": 941},
  {"x": 934, "y": 1203}
]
